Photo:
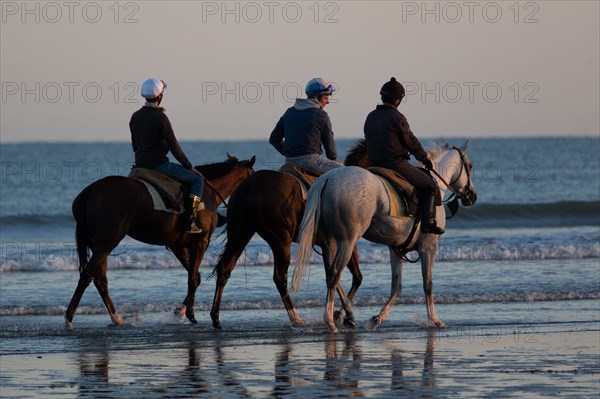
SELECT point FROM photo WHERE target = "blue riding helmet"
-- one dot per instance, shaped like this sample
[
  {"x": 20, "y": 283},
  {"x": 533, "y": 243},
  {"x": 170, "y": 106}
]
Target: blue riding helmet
[{"x": 318, "y": 87}]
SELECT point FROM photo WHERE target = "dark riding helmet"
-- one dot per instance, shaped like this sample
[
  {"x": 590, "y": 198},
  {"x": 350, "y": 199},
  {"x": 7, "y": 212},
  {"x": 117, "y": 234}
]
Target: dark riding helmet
[{"x": 392, "y": 90}]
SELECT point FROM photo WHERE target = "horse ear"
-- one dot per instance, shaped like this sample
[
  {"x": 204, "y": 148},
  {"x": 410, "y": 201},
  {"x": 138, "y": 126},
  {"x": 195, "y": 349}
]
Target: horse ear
[
  {"x": 465, "y": 145},
  {"x": 252, "y": 160},
  {"x": 229, "y": 157}
]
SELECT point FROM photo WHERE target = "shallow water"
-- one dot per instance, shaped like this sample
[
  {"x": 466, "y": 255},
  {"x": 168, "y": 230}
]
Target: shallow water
[{"x": 483, "y": 352}]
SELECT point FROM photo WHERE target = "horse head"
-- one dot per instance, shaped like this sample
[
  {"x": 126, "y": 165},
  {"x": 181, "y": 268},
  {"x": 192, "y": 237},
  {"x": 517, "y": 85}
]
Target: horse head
[{"x": 454, "y": 164}]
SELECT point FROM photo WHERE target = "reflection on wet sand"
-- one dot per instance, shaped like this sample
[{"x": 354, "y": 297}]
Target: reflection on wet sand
[
  {"x": 428, "y": 373},
  {"x": 193, "y": 375},
  {"x": 342, "y": 369},
  {"x": 93, "y": 368},
  {"x": 227, "y": 369},
  {"x": 342, "y": 365},
  {"x": 283, "y": 368}
]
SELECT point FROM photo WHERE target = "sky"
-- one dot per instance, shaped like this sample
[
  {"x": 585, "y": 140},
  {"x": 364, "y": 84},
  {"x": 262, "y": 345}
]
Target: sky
[{"x": 71, "y": 70}]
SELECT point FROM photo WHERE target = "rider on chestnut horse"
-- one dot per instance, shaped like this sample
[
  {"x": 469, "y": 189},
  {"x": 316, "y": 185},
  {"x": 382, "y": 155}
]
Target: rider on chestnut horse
[
  {"x": 306, "y": 126},
  {"x": 152, "y": 138}
]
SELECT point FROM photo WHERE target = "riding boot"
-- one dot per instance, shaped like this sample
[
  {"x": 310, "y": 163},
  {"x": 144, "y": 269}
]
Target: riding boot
[
  {"x": 428, "y": 222},
  {"x": 194, "y": 205}
]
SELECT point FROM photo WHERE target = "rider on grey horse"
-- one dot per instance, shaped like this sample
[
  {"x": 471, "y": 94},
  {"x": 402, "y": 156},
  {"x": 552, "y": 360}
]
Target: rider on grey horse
[
  {"x": 303, "y": 128},
  {"x": 389, "y": 145}
]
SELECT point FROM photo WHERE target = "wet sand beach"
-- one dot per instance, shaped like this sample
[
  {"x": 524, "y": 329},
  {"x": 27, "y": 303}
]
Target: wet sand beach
[{"x": 555, "y": 353}]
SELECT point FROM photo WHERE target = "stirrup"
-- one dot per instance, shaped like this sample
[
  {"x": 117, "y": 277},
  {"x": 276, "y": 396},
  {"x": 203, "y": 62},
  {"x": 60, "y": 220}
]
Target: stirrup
[
  {"x": 194, "y": 229},
  {"x": 431, "y": 227}
]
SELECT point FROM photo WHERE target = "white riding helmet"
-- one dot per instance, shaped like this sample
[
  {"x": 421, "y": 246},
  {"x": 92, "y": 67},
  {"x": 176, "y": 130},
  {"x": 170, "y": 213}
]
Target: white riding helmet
[
  {"x": 318, "y": 87},
  {"x": 151, "y": 88}
]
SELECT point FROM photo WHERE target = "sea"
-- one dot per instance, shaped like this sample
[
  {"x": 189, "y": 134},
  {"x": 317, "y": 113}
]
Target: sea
[{"x": 533, "y": 235}]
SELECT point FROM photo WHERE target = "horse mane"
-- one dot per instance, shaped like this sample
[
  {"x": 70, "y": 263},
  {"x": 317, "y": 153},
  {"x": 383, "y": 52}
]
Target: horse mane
[
  {"x": 217, "y": 169},
  {"x": 357, "y": 156},
  {"x": 436, "y": 149}
]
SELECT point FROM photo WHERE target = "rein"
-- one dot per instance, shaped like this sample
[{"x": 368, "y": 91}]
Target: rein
[
  {"x": 216, "y": 191},
  {"x": 452, "y": 201},
  {"x": 449, "y": 185}
]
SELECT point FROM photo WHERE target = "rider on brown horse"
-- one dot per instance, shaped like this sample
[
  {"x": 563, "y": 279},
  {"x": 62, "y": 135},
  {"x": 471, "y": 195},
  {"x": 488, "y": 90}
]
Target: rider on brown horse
[
  {"x": 303, "y": 128},
  {"x": 152, "y": 138},
  {"x": 389, "y": 143}
]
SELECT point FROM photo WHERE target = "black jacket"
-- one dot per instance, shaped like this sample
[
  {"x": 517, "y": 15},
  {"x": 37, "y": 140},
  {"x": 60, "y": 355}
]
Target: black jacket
[
  {"x": 152, "y": 138},
  {"x": 388, "y": 135}
]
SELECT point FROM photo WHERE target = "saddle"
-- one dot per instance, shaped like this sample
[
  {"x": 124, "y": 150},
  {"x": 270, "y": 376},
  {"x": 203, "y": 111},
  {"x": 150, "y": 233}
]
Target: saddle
[
  {"x": 399, "y": 188},
  {"x": 167, "y": 194},
  {"x": 306, "y": 177}
]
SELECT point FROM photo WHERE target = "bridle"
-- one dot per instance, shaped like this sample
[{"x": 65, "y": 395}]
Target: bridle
[
  {"x": 462, "y": 167},
  {"x": 452, "y": 201},
  {"x": 217, "y": 193}
]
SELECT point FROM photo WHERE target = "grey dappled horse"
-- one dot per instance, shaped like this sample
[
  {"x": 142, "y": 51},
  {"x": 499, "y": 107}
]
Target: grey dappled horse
[{"x": 348, "y": 203}]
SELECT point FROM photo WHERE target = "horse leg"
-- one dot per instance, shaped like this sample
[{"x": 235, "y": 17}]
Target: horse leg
[
  {"x": 182, "y": 254},
  {"x": 196, "y": 255},
  {"x": 85, "y": 278},
  {"x": 84, "y": 281},
  {"x": 333, "y": 271},
  {"x": 233, "y": 250},
  {"x": 396, "y": 264},
  {"x": 345, "y": 315},
  {"x": 428, "y": 247},
  {"x": 342, "y": 314},
  {"x": 101, "y": 283},
  {"x": 282, "y": 255}
]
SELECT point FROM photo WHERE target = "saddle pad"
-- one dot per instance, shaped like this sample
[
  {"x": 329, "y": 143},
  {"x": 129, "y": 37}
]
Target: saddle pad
[
  {"x": 397, "y": 202},
  {"x": 304, "y": 176},
  {"x": 303, "y": 186},
  {"x": 159, "y": 203},
  {"x": 170, "y": 190}
]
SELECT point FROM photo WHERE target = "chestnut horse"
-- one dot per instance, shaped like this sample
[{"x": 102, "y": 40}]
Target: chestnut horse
[
  {"x": 271, "y": 204},
  {"x": 115, "y": 206}
]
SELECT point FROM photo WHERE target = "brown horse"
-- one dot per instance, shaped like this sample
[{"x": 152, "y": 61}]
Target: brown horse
[
  {"x": 270, "y": 203},
  {"x": 115, "y": 206}
]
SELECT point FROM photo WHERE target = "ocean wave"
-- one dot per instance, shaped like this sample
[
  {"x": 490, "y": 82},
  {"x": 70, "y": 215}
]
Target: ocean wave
[
  {"x": 62, "y": 257},
  {"x": 376, "y": 300},
  {"x": 556, "y": 214},
  {"x": 27, "y": 220}
]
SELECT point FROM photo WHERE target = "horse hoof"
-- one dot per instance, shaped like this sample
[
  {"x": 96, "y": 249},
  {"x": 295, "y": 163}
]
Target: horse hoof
[
  {"x": 192, "y": 320},
  {"x": 116, "y": 320},
  {"x": 299, "y": 323},
  {"x": 349, "y": 323},
  {"x": 180, "y": 312},
  {"x": 217, "y": 325},
  {"x": 438, "y": 324},
  {"x": 375, "y": 323},
  {"x": 68, "y": 325}
]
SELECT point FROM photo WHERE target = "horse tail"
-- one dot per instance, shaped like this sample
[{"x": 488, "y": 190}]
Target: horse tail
[
  {"x": 308, "y": 230},
  {"x": 82, "y": 237},
  {"x": 237, "y": 225}
]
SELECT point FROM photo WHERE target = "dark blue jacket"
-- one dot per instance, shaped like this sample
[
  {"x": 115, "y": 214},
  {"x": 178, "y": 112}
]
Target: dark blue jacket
[{"x": 302, "y": 130}]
